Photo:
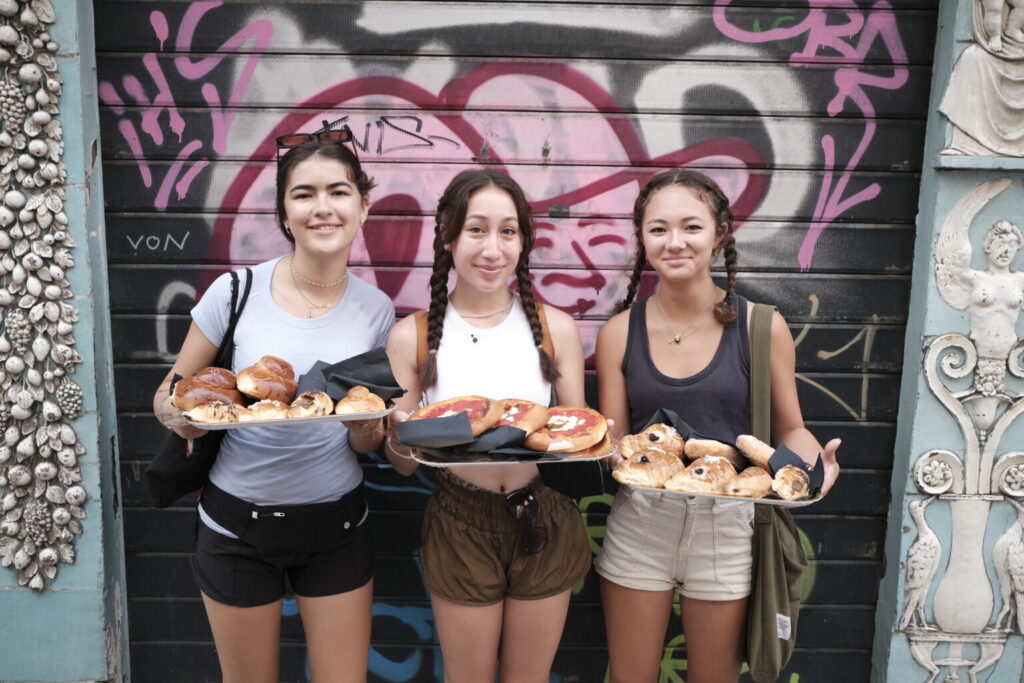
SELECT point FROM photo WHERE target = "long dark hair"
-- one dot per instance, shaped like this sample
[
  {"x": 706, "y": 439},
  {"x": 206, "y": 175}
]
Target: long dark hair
[
  {"x": 448, "y": 222},
  {"x": 328, "y": 149},
  {"x": 711, "y": 194}
]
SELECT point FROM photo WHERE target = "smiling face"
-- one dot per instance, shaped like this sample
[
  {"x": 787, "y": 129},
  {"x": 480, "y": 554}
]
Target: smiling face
[
  {"x": 323, "y": 208},
  {"x": 488, "y": 246},
  {"x": 679, "y": 233}
]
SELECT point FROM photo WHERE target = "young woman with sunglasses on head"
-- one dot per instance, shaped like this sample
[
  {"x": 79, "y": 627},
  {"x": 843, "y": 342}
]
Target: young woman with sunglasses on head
[
  {"x": 686, "y": 348},
  {"x": 303, "y": 307},
  {"x": 501, "y": 551}
]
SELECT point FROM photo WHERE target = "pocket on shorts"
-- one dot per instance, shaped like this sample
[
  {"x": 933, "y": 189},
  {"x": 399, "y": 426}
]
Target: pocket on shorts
[{"x": 734, "y": 531}]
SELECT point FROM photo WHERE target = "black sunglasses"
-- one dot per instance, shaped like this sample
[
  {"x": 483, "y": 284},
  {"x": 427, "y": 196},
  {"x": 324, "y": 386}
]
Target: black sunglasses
[
  {"x": 523, "y": 505},
  {"x": 343, "y": 134}
]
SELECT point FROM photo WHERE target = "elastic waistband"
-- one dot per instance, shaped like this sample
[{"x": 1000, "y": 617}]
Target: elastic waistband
[
  {"x": 236, "y": 514},
  {"x": 479, "y": 507}
]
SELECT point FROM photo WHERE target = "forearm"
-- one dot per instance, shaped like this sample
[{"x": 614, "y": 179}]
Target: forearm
[
  {"x": 802, "y": 442},
  {"x": 365, "y": 436}
]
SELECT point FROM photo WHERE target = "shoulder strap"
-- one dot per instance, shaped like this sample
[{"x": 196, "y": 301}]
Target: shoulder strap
[
  {"x": 761, "y": 371},
  {"x": 227, "y": 345},
  {"x": 545, "y": 333}
]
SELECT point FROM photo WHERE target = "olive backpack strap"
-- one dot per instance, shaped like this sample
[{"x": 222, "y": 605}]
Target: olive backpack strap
[
  {"x": 761, "y": 372},
  {"x": 421, "y": 338}
]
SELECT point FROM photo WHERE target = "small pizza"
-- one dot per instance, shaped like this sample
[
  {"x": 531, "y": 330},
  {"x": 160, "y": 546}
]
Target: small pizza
[
  {"x": 523, "y": 414},
  {"x": 483, "y": 413},
  {"x": 568, "y": 429}
]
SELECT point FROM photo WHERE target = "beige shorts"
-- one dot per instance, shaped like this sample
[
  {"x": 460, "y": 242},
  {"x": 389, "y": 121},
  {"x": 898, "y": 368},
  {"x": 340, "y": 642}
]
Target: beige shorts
[{"x": 659, "y": 540}]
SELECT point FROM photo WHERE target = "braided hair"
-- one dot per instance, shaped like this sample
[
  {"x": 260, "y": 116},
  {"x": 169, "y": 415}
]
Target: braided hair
[
  {"x": 718, "y": 204},
  {"x": 448, "y": 222}
]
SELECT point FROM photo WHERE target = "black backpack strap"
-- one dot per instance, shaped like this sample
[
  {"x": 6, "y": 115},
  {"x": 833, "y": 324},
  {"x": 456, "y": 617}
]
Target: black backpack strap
[{"x": 225, "y": 352}]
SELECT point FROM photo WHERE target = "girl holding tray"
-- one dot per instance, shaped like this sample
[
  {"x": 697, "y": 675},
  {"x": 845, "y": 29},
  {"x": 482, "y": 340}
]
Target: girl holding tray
[
  {"x": 287, "y": 501},
  {"x": 501, "y": 551},
  {"x": 686, "y": 348}
]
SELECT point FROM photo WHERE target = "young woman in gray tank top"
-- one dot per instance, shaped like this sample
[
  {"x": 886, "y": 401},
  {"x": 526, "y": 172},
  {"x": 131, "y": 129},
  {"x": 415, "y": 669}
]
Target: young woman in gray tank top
[
  {"x": 500, "y": 595},
  {"x": 686, "y": 348}
]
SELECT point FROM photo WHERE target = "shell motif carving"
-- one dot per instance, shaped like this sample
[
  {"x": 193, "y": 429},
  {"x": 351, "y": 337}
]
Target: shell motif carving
[{"x": 41, "y": 499}]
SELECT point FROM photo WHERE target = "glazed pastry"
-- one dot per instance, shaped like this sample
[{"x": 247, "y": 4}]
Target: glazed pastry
[
  {"x": 659, "y": 437},
  {"x": 757, "y": 451},
  {"x": 708, "y": 474},
  {"x": 698, "y": 448},
  {"x": 791, "y": 483},
  {"x": 267, "y": 409},
  {"x": 650, "y": 468},
  {"x": 271, "y": 378},
  {"x": 206, "y": 386},
  {"x": 752, "y": 482},
  {"x": 311, "y": 404},
  {"x": 359, "y": 399},
  {"x": 218, "y": 411}
]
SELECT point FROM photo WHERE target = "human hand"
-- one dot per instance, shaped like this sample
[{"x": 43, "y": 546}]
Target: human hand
[
  {"x": 616, "y": 457},
  {"x": 831, "y": 464},
  {"x": 172, "y": 418}
]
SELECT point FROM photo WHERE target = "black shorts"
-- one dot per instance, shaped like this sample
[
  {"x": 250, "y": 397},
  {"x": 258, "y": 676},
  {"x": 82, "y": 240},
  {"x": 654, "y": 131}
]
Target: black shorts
[{"x": 237, "y": 572}]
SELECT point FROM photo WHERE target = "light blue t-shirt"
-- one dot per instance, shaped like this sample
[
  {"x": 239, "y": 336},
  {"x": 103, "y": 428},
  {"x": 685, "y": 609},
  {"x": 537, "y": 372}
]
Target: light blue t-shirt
[{"x": 290, "y": 464}]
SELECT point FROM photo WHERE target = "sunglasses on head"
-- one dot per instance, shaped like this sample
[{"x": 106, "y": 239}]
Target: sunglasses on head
[
  {"x": 523, "y": 505},
  {"x": 343, "y": 134}
]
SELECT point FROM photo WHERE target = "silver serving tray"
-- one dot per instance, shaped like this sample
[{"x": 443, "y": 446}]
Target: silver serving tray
[
  {"x": 347, "y": 417},
  {"x": 761, "y": 501},
  {"x": 435, "y": 458}
]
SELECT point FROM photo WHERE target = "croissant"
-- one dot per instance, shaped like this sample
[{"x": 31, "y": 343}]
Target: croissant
[
  {"x": 270, "y": 378},
  {"x": 757, "y": 451},
  {"x": 658, "y": 437},
  {"x": 649, "y": 468},
  {"x": 698, "y": 448},
  {"x": 752, "y": 482},
  {"x": 359, "y": 399},
  {"x": 708, "y": 474},
  {"x": 791, "y": 483},
  {"x": 206, "y": 386},
  {"x": 311, "y": 404}
]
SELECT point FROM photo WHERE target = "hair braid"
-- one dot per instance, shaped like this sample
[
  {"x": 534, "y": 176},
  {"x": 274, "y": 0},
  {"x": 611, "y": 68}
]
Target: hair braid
[
  {"x": 547, "y": 363},
  {"x": 634, "y": 278},
  {"x": 725, "y": 311},
  {"x": 438, "y": 306}
]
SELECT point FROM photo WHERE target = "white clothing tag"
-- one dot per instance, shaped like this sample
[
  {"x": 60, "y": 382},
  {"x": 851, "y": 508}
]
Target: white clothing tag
[{"x": 783, "y": 626}]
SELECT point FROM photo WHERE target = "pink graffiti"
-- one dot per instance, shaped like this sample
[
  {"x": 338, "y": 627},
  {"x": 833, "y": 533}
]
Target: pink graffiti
[
  {"x": 254, "y": 38},
  {"x": 834, "y": 44},
  {"x": 579, "y": 286}
]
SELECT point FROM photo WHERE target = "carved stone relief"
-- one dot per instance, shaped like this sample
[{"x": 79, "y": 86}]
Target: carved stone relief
[
  {"x": 41, "y": 498},
  {"x": 964, "y": 607},
  {"x": 984, "y": 100}
]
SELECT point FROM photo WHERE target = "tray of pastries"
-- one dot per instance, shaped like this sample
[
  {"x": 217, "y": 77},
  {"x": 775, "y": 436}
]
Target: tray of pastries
[
  {"x": 214, "y": 399},
  {"x": 475, "y": 430},
  {"x": 660, "y": 458}
]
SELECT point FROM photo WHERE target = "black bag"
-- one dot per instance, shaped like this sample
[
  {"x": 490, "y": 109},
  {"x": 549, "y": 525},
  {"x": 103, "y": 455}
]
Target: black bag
[
  {"x": 174, "y": 472},
  {"x": 779, "y": 559}
]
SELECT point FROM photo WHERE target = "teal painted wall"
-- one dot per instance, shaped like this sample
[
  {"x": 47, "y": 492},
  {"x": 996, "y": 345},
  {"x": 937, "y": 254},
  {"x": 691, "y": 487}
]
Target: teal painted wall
[{"x": 76, "y": 629}]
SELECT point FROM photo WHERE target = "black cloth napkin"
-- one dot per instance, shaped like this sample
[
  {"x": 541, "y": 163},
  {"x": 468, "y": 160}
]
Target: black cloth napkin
[
  {"x": 371, "y": 370},
  {"x": 451, "y": 439}
]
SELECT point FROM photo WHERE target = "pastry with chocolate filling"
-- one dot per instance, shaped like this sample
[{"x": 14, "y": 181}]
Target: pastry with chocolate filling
[
  {"x": 791, "y": 483},
  {"x": 660, "y": 437},
  {"x": 649, "y": 468},
  {"x": 709, "y": 474}
]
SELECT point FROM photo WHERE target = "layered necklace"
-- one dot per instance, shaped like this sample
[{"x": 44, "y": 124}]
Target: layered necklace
[
  {"x": 312, "y": 306},
  {"x": 693, "y": 327},
  {"x": 504, "y": 309}
]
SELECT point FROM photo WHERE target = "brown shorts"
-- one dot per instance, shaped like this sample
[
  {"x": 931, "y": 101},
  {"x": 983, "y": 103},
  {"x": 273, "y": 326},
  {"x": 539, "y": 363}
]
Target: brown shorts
[{"x": 473, "y": 551}]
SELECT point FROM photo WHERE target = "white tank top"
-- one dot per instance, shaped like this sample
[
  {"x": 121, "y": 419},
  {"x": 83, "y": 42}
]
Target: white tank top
[{"x": 498, "y": 362}]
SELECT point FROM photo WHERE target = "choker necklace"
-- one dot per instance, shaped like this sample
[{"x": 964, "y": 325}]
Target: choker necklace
[
  {"x": 297, "y": 274},
  {"x": 694, "y": 326},
  {"x": 310, "y": 305},
  {"x": 503, "y": 309}
]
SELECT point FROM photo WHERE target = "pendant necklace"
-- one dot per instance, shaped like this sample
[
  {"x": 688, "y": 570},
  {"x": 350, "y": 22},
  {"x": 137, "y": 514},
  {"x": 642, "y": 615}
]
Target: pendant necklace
[
  {"x": 310, "y": 305},
  {"x": 694, "y": 326}
]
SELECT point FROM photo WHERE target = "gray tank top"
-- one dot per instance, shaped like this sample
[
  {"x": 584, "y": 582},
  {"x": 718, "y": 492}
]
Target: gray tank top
[{"x": 715, "y": 401}]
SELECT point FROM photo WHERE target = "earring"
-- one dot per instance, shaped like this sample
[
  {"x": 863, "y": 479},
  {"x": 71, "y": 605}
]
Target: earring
[{"x": 287, "y": 230}]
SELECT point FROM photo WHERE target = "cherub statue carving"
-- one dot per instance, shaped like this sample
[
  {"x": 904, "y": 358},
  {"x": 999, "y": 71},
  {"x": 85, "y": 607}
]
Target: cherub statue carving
[
  {"x": 994, "y": 297},
  {"x": 995, "y": 25}
]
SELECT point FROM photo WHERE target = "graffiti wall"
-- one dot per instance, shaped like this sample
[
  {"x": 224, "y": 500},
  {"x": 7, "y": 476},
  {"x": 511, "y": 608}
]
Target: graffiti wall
[{"x": 809, "y": 113}]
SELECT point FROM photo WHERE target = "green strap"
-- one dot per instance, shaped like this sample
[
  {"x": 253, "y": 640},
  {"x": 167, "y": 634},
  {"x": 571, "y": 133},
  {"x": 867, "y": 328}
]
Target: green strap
[{"x": 761, "y": 372}]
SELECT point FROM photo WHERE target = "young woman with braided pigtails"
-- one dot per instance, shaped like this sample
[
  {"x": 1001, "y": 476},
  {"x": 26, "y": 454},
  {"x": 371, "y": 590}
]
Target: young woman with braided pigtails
[
  {"x": 686, "y": 348},
  {"x": 499, "y": 589}
]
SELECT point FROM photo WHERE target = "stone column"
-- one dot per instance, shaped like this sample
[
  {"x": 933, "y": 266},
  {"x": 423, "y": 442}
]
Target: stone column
[
  {"x": 947, "y": 606},
  {"x": 62, "y": 596}
]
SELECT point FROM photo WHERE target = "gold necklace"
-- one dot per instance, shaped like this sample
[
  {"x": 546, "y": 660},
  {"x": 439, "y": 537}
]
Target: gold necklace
[
  {"x": 694, "y": 326},
  {"x": 503, "y": 309},
  {"x": 296, "y": 273},
  {"x": 310, "y": 306}
]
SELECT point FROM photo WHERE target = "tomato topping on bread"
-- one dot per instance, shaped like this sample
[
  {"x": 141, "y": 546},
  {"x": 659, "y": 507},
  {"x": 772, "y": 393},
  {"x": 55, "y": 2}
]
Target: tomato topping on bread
[
  {"x": 523, "y": 414},
  {"x": 482, "y": 412},
  {"x": 568, "y": 429}
]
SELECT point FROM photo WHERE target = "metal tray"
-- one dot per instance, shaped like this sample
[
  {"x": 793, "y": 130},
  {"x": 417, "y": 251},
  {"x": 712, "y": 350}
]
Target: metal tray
[
  {"x": 347, "y": 417},
  {"x": 437, "y": 458},
  {"x": 761, "y": 501}
]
